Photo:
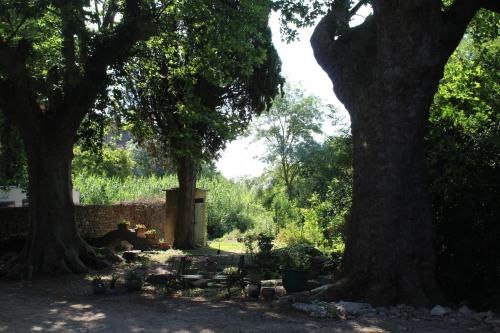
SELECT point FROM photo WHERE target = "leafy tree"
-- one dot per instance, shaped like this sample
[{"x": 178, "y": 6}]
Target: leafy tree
[
  {"x": 55, "y": 58},
  {"x": 196, "y": 86},
  {"x": 112, "y": 162},
  {"x": 386, "y": 71},
  {"x": 330, "y": 161},
  {"x": 287, "y": 131},
  {"x": 462, "y": 150}
]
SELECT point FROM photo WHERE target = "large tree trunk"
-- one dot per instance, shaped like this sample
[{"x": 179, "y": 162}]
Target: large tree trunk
[
  {"x": 386, "y": 72},
  {"x": 53, "y": 244},
  {"x": 184, "y": 229}
]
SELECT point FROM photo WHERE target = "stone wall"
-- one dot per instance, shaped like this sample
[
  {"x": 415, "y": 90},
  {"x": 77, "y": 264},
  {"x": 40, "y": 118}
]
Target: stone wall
[{"x": 93, "y": 220}]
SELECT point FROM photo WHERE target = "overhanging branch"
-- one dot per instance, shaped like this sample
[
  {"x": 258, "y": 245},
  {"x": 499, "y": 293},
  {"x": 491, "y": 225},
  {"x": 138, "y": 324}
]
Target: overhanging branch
[
  {"x": 458, "y": 17},
  {"x": 115, "y": 48},
  {"x": 493, "y": 5}
]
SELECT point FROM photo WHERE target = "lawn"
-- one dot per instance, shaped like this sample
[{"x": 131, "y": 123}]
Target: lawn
[{"x": 226, "y": 245}]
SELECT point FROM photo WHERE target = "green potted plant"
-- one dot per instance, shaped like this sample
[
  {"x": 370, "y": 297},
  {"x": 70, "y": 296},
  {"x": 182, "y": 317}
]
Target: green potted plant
[
  {"x": 189, "y": 266},
  {"x": 151, "y": 236},
  {"x": 265, "y": 243},
  {"x": 294, "y": 268},
  {"x": 140, "y": 230},
  {"x": 162, "y": 245},
  {"x": 98, "y": 286},
  {"x": 230, "y": 270},
  {"x": 133, "y": 281}
]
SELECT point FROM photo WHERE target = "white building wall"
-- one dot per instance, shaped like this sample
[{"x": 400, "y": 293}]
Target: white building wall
[{"x": 16, "y": 195}]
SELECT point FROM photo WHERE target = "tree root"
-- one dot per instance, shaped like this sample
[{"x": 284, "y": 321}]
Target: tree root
[
  {"x": 70, "y": 261},
  {"x": 353, "y": 287}
]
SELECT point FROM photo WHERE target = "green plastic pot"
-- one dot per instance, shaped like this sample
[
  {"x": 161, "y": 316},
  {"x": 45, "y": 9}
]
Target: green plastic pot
[{"x": 294, "y": 279}]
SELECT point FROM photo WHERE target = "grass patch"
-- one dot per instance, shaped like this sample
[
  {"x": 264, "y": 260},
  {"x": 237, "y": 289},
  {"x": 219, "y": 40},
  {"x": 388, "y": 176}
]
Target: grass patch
[{"x": 227, "y": 246}]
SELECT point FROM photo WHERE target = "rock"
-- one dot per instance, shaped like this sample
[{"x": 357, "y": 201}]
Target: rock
[
  {"x": 482, "y": 315},
  {"x": 464, "y": 310},
  {"x": 321, "y": 289},
  {"x": 438, "y": 311},
  {"x": 286, "y": 301},
  {"x": 493, "y": 321},
  {"x": 352, "y": 308},
  {"x": 271, "y": 283},
  {"x": 280, "y": 290},
  {"x": 311, "y": 309},
  {"x": 381, "y": 311}
]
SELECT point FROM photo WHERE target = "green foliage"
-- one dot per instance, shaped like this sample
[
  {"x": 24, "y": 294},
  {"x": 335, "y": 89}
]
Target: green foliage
[
  {"x": 13, "y": 166},
  {"x": 463, "y": 145},
  {"x": 123, "y": 223},
  {"x": 287, "y": 129},
  {"x": 99, "y": 190},
  {"x": 327, "y": 171},
  {"x": 295, "y": 257},
  {"x": 232, "y": 206},
  {"x": 292, "y": 235},
  {"x": 197, "y": 85},
  {"x": 111, "y": 163}
]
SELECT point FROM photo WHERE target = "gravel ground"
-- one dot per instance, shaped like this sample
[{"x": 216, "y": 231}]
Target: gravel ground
[{"x": 66, "y": 305}]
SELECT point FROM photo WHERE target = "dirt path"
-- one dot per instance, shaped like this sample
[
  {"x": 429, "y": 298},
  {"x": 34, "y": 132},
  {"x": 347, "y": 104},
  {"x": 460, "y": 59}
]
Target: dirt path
[{"x": 65, "y": 305}]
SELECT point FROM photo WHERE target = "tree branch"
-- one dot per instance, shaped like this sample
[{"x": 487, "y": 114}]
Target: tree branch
[
  {"x": 493, "y": 5},
  {"x": 109, "y": 16},
  {"x": 458, "y": 16},
  {"x": 356, "y": 7},
  {"x": 349, "y": 54},
  {"x": 16, "y": 85},
  {"x": 112, "y": 49}
]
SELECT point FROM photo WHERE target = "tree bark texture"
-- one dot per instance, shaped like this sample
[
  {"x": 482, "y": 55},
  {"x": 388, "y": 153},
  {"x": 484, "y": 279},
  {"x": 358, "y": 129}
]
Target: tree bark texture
[
  {"x": 48, "y": 111},
  {"x": 386, "y": 72},
  {"x": 184, "y": 229},
  {"x": 54, "y": 244}
]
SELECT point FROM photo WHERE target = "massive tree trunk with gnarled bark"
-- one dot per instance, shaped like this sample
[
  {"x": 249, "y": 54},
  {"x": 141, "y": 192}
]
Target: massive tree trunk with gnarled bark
[
  {"x": 48, "y": 111},
  {"x": 386, "y": 72}
]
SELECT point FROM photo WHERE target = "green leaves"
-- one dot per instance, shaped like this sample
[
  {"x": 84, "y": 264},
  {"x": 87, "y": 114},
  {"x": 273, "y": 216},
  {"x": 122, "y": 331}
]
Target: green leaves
[
  {"x": 200, "y": 81},
  {"x": 287, "y": 128}
]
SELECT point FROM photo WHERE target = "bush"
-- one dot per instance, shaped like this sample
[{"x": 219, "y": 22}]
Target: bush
[
  {"x": 232, "y": 205},
  {"x": 101, "y": 190}
]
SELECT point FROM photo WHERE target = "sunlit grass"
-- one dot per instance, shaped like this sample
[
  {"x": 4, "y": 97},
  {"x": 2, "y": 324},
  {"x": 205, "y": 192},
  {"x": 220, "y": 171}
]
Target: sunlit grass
[{"x": 227, "y": 246}]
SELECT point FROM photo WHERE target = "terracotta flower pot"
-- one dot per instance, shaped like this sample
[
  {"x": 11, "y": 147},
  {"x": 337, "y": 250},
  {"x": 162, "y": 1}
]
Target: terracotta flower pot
[
  {"x": 268, "y": 293},
  {"x": 141, "y": 233}
]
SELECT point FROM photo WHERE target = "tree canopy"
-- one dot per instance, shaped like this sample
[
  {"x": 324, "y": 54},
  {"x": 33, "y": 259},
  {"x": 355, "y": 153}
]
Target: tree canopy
[
  {"x": 199, "y": 83},
  {"x": 287, "y": 129}
]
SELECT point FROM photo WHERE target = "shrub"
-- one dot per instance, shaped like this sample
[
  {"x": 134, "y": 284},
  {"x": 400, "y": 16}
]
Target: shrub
[
  {"x": 295, "y": 257},
  {"x": 232, "y": 206}
]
